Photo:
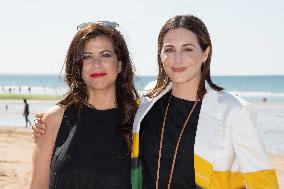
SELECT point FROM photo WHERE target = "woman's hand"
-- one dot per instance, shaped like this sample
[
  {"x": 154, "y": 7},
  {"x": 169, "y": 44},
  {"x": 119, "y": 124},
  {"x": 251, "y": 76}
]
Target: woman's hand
[{"x": 38, "y": 128}]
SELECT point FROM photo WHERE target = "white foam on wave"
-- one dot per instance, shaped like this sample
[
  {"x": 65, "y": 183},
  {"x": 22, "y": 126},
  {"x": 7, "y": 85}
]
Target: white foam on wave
[
  {"x": 34, "y": 90},
  {"x": 257, "y": 94}
]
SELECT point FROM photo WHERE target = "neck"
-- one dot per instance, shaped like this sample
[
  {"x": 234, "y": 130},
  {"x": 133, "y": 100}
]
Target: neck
[
  {"x": 186, "y": 91},
  {"x": 103, "y": 99}
]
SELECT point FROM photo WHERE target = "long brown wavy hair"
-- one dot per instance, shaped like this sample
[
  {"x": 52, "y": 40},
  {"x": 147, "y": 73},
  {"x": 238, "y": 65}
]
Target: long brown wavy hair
[
  {"x": 196, "y": 26},
  {"x": 126, "y": 94}
]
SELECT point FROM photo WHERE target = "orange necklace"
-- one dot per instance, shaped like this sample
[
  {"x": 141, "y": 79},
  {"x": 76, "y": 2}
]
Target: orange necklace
[{"x": 177, "y": 145}]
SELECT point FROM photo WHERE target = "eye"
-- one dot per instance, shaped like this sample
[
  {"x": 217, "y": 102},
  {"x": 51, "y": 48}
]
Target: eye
[
  {"x": 188, "y": 49},
  {"x": 169, "y": 50},
  {"x": 106, "y": 55},
  {"x": 87, "y": 57}
]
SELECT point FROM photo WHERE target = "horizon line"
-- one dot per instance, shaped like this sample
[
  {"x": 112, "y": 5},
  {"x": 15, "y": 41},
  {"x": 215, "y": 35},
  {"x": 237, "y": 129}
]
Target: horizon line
[{"x": 141, "y": 75}]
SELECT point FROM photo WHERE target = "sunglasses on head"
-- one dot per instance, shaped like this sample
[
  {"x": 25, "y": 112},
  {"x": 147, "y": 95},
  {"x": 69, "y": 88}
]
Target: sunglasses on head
[{"x": 108, "y": 24}]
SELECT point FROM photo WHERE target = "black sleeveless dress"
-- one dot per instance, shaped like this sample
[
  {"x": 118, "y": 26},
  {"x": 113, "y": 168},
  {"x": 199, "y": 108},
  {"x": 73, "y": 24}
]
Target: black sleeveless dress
[{"x": 89, "y": 152}]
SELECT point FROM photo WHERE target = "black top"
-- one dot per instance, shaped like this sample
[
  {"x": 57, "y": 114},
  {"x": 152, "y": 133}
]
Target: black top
[
  {"x": 150, "y": 132},
  {"x": 89, "y": 152}
]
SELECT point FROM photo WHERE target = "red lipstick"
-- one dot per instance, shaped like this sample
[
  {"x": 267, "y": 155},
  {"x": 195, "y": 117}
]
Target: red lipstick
[
  {"x": 97, "y": 75},
  {"x": 181, "y": 69}
]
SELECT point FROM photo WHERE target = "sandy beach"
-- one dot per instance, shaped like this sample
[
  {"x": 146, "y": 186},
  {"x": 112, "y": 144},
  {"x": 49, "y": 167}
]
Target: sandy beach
[{"x": 15, "y": 159}]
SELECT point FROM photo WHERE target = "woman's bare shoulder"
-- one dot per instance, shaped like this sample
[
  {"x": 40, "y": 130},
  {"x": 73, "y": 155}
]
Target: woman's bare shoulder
[
  {"x": 52, "y": 119},
  {"x": 53, "y": 115}
]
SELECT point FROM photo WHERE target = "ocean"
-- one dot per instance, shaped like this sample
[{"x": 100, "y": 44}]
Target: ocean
[
  {"x": 251, "y": 88},
  {"x": 270, "y": 114}
]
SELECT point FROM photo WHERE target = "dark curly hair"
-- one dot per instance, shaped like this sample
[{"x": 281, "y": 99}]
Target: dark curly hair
[
  {"x": 126, "y": 94},
  {"x": 196, "y": 26}
]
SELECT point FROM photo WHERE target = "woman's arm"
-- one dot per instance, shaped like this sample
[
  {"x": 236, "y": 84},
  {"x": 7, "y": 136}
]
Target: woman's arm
[
  {"x": 43, "y": 149},
  {"x": 255, "y": 166}
]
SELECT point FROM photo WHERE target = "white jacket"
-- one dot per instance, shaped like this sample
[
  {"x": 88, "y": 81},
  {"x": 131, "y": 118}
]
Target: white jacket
[{"x": 227, "y": 151}]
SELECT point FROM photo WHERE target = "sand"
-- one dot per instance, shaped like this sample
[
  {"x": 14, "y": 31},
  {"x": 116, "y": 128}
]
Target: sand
[{"x": 15, "y": 159}]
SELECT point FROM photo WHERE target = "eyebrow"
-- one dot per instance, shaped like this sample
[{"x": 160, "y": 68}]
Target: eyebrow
[
  {"x": 106, "y": 51},
  {"x": 188, "y": 44},
  {"x": 86, "y": 52},
  {"x": 184, "y": 45}
]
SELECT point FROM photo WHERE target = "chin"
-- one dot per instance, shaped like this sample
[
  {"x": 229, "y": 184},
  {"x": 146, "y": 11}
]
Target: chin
[
  {"x": 184, "y": 78},
  {"x": 96, "y": 86},
  {"x": 180, "y": 79},
  {"x": 101, "y": 87}
]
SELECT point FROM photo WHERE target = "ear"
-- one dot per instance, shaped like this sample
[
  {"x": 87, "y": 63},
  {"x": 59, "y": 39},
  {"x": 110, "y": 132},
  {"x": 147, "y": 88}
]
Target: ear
[
  {"x": 205, "y": 54},
  {"x": 119, "y": 66}
]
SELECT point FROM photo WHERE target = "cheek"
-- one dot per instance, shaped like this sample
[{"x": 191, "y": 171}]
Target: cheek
[
  {"x": 166, "y": 60},
  {"x": 85, "y": 73},
  {"x": 167, "y": 66},
  {"x": 196, "y": 64},
  {"x": 163, "y": 57},
  {"x": 112, "y": 67},
  {"x": 197, "y": 58},
  {"x": 85, "y": 68}
]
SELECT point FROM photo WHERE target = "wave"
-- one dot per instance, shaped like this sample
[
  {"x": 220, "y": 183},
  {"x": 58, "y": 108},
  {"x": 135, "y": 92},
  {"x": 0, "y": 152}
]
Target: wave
[
  {"x": 257, "y": 94},
  {"x": 35, "y": 90}
]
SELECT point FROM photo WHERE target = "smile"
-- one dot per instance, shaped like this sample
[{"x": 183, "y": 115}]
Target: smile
[
  {"x": 181, "y": 69},
  {"x": 97, "y": 75}
]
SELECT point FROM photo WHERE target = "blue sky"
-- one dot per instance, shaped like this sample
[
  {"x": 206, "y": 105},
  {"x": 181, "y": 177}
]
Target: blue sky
[{"x": 247, "y": 36}]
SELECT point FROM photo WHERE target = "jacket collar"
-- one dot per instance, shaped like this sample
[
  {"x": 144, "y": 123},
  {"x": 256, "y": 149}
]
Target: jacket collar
[
  {"x": 210, "y": 105},
  {"x": 210, "y": 100}
]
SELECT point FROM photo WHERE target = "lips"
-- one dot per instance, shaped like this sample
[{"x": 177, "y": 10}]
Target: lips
[
  {"x": 181, "y": 69},
  {"x": 97, "y": 75}
]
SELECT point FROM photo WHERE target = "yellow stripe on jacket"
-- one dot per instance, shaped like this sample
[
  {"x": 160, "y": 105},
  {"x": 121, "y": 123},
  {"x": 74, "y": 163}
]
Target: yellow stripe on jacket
[{"x": 208, "y": 178}]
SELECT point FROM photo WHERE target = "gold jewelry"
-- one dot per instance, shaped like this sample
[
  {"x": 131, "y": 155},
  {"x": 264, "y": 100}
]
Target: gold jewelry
[{"x": 177, "y": 145}]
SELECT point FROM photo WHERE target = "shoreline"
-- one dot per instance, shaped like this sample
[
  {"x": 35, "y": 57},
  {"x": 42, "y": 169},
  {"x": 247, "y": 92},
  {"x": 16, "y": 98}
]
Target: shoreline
[
  {"x": 16, "y": 152},
  {"x": 29, "y": 97}
]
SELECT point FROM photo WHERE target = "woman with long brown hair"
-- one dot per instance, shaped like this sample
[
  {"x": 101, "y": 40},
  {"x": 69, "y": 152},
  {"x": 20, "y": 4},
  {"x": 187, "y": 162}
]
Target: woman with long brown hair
[
  {"x": 88, "y": 134},
  {"x": 190, "y": 133}
]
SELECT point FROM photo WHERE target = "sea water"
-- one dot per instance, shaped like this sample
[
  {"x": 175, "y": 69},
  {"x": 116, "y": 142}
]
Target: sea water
[{"x": 270, "y": 113}]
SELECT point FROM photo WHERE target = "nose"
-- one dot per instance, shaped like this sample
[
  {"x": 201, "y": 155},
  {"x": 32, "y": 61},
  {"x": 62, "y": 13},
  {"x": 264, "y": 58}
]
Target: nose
[
  {"x": 177, "y": 58},
  {"x": 96, "y": 62}
]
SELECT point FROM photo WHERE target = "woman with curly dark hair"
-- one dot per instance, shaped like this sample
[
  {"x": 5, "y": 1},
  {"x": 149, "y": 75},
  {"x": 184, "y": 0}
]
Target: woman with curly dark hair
[{"x": 88, "y": 134}]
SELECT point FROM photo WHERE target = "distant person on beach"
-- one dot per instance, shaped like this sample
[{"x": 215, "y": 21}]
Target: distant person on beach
[
  {"x": 264, "y": 100},
  {"x": 29, "y": 90},
  {"x": 6, "y": 107},
  {"x": 26, "y": 113},
  {"x": 189, "y": 132},
  {"x": 87, "y": 142}
]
